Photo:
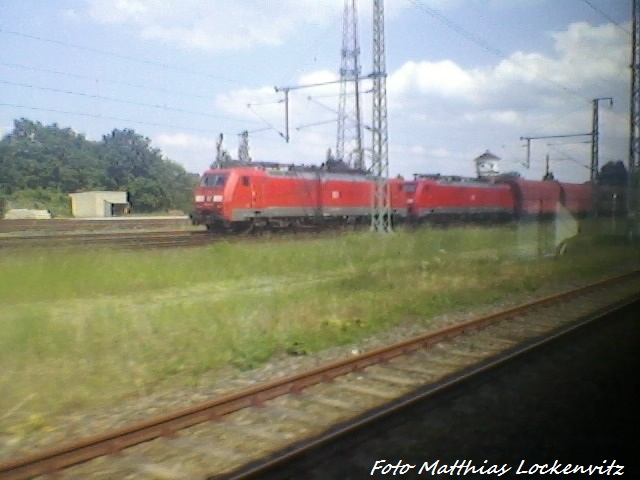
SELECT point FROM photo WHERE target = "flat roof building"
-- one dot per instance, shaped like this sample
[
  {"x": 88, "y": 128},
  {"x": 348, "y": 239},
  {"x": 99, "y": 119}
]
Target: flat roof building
[{"x": 99, "y": 204}]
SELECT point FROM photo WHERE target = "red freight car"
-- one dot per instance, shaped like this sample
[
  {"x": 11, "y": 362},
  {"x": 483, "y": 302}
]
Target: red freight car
[
  {"x": 537, "y": 199},
  {"x": 445, "y": 198},
  {"x": 577, "y": 198}
]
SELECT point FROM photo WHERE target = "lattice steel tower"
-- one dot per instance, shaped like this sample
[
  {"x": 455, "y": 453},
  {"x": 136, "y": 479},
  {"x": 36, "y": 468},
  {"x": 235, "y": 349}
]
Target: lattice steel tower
[
  {"x": 349, "y": 144},
  {"x": 634, "y": 114},
  {"x": 381, "y": 212}
]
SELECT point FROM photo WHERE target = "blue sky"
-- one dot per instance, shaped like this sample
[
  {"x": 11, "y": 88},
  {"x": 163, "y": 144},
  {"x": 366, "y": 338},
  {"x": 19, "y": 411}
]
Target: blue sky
[{"x": 464, "y": 76}]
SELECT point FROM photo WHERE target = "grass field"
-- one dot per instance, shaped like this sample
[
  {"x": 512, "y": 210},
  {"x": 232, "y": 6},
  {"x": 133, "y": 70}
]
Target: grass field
[{"x": 79, "y": 326}]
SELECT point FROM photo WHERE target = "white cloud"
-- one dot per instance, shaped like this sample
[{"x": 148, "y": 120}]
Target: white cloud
[
  {"x": 441, "y": 115},
  {"x": 195, "y": 152},
  {"x": 443, "y": 78},
  {"x": 465, "y": 111},
  {"x": 223, "y": 25}
]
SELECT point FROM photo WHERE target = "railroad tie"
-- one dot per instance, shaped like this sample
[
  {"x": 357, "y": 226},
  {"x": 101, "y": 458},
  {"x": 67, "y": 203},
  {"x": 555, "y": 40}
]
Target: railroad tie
[
  {"x": 412, "y": 369},
  {"x": 368, "y": 391},
  {"x": 258, "y": 431},
  {"x": 333, "y": 403},
  {"x": 207, "y": 447},
  {"x": 394, "y": 379},
  {"x": 294, "y": 414},
  {"x": 468, "y": 354},
  {"x": 158, "y": 471}
]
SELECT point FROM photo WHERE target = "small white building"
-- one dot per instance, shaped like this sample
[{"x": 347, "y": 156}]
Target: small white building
[
  {"x": 487, "y": 165},
  {"x": 99, "y": 204}
]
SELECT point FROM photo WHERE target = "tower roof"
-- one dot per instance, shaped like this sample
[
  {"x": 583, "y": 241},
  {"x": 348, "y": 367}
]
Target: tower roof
[{"x": 487, "y": 156}]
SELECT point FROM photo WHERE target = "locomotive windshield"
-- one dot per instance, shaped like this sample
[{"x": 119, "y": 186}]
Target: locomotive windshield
[
  {"x": 409, "y": 187},
  {"x": 213, "y": 180}
]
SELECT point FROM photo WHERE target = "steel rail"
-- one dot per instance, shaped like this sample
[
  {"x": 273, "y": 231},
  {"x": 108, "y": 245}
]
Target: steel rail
[
  {"x": 117, "y": 239},
  {"x": 44, "y": 226},
  {"x": 73, "y": 453},
  {"x": 258, "y": 469},
  {"x": 145, "y": 239}
]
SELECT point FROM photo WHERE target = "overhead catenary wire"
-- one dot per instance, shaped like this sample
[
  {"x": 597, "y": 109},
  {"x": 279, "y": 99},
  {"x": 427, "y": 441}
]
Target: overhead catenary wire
[
  {"x": 105, "y": 80},
  {"x": 266, "y": 122},
  {"x": 567, "y": 157},
  {"x": 157, "y": 64},
  {"x": 480, "y": 42},
  {"x": 605, "y": 15},
  {"x": 105, "y": 117},
  {"x": 558, "y": 118},
  {"x": 120, "y": 56},
  {"x": 118, "y": 100}
]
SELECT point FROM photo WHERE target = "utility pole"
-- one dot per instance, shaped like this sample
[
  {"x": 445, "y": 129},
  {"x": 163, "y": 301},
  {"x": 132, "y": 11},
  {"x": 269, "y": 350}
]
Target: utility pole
[
  {"x": 286, "y": 109},
  {"x": 594, "y": 137},
  {"x": 286, "y": 91},
  {"x": 381, "y": 211},
  {"x": 349, "y": 138},
  {"x": 243, "y": 147},
  {"x": 528, "y": 139}
]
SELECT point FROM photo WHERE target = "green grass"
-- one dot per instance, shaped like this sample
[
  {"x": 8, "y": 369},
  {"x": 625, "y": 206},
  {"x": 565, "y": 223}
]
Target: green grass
[{"x": 82, "y": 325}]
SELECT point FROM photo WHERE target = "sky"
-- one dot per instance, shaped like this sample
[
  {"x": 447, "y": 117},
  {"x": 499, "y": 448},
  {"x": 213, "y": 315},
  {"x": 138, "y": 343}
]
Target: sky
[{"x": 463, "y": 77}]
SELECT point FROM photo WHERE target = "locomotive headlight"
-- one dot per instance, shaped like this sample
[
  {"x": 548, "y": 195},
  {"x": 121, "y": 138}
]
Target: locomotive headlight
[
  {"x": 199, "y": 198},
  {"x": 409, "y": 200},
  {"x": 217, "y": 198}
]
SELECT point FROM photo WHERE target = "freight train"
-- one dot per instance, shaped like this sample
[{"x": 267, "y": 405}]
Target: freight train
[{"x": 241, "y": 196}]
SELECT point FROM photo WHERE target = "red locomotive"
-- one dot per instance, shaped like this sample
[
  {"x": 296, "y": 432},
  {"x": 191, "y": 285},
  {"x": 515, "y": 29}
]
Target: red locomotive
[
  {"x": 438, "y": 198},
  {"x": 444, "y": 198},
  {"x": 239, "y": 196}
]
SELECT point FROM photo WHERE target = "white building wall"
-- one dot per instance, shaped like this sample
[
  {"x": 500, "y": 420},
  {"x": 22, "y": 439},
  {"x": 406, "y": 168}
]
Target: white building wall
[{"x": 95, "y": 204}]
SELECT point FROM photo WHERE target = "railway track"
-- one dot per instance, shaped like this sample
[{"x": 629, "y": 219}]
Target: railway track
[
  {"x": 124, "y": 240},
  {"x": 132, "y": 239},
  {"x": 240, "y": 435},
  {"x": 572, "y": 401},
  {"x": 70, "y": 225}
]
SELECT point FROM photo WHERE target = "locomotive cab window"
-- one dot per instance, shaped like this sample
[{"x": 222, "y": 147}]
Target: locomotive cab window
[
  {"x": 213, "y": 180},
  {"x": 410, "y": 187}
]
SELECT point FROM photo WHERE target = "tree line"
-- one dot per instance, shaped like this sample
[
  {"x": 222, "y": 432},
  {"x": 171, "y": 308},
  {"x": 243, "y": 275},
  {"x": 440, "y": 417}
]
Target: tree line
[{"x": 40, "y": 165}]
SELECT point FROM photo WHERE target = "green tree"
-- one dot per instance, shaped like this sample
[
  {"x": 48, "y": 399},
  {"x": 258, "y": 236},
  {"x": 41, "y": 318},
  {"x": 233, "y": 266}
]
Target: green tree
[{"x": 36, "y": 158}]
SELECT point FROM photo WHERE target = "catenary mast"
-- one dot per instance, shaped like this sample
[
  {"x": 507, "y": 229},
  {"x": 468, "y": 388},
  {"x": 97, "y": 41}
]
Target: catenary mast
[
  {"x": 349, "y": 139},
  {"x": 381, "y": 212}
]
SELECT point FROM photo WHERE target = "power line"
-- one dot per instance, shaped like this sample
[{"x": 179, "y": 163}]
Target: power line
[
  {"x": 102, "y": 80},
  {"x": 472, "y": 37},
  {"x": 106, "y": 117},
  {"x": 118, "y": 100},
  {"x": 120, "y": 56},
  {"x": 322, "y": 37},
  {"x": 567, "y": 157},
  {"x": 605, "y": 15},
  {"x": 559, "y": 118},
  {"x": 270, "y": 126}
]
